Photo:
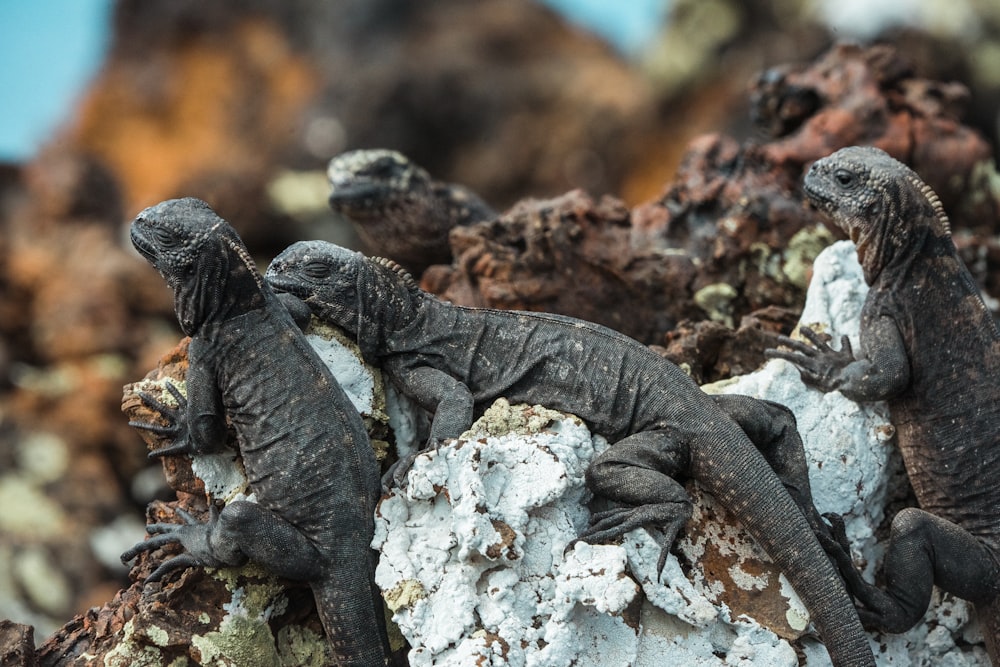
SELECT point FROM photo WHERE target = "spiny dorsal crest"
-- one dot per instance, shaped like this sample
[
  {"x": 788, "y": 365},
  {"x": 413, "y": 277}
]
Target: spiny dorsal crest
[
  {"x": 405, "y": 277},
  {"x": 935, "y": 203},
  {"x": 244, "y": 256}
]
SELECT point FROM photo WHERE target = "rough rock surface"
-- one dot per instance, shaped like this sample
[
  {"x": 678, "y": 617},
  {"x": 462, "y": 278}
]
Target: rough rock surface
[
  {"x": 872, "y": 96},
  {"x": 570, "y": 255}
]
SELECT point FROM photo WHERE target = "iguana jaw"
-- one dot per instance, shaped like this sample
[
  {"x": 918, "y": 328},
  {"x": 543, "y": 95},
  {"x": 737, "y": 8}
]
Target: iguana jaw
[
  {"x": 140, "y": 243},
  {"x": 359, "y": 196}
]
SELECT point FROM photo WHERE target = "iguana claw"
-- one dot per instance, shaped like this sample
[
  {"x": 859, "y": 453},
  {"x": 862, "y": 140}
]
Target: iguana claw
[{"x": 176, "y": 428}]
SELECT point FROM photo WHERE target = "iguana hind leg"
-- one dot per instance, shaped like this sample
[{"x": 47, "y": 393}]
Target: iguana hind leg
[
  {"x": 242, "y": 530},
  {"x": 925, "y": 550},
  {"x": 638, "y": 471},
  {"x": 771, "y": 427}
]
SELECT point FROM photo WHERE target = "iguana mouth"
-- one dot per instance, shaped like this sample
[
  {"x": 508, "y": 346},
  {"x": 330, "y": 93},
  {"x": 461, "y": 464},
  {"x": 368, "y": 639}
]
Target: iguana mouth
[
  {"x": 357, "y": 195},
  {"x": 280, "y": 282},
  {"x": 142, "y": 246}
]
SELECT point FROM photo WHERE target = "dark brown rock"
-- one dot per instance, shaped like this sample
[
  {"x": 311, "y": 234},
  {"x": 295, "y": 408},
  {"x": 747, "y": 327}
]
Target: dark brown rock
[
  {"x": 17, "y": 645},
  {"x": 567, "y": 255},
  {"x": 710, "y": 351}
]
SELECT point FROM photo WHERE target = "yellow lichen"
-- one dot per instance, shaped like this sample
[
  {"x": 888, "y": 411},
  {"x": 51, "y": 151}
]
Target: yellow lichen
[{"x": 404, "y": 594}]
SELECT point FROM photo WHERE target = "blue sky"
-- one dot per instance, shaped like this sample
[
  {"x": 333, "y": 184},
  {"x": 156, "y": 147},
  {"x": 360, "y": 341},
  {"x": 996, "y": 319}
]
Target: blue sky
[{"x": 49, "y": 51}]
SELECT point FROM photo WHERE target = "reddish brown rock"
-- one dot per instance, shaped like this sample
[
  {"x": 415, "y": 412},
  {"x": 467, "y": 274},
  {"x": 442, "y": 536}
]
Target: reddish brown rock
[
  {"x": 710, "y": 351},
  {"x": 872, "y": 96},
  {"x": 568, "y": 255}
]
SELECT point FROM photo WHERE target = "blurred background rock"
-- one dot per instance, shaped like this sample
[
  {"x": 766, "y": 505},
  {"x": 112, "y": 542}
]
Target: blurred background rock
[{"x": 242, "y": 104}]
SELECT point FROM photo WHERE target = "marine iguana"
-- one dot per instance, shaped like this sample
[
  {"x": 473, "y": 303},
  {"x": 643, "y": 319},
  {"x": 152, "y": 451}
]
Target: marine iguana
[
  {"x": 931, "y": 349},
  {"x": 304, "y": 447},
  {"x": 454, "y": 361},
  {"x": 397, "y": 209}
]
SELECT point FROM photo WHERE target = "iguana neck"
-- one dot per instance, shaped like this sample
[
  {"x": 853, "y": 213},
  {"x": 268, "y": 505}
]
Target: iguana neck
[
  {"x": 388, "y": 302},
  {"x": 224, "y": 286},
  {"x": 913, "y": 224}
]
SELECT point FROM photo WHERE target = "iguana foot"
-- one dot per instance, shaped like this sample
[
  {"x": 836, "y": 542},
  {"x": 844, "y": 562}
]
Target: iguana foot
[
  {"x": 193, "y": 535},
  {"x": 176, "y": 428},
  {"x": 819, "y": 364},
  {"x": 614, "y": 523},
  {"x": 395, "y": 476}
]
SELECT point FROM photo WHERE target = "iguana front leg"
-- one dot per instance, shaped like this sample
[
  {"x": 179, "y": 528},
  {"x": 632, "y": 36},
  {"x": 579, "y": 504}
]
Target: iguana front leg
[
  {"x": 882, "y": 371},
  {"x": 242, "y": 531},
  {"x": 198, "y": 424},
  {"x": 450, "y": 401}
]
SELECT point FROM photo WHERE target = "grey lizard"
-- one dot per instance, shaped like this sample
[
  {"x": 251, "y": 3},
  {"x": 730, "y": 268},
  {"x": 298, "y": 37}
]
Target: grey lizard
[
  {"x": 455, "y": 360},
  {"x": 931, "y": 349},
  {"x": 397, "y": 209},
  {"x": 304, "y": 447}
]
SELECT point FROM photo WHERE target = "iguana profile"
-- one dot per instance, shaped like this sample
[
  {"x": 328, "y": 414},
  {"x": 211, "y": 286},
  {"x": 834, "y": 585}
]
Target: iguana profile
[
  {"x": 454, "y": 361},
  {"x": 931, "y": 349},
  {"x": 304, "y": 447}
]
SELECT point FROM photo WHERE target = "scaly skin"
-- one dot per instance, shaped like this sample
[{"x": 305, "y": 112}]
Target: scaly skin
[
  {"x": 398, "y": 210},
  {"x": 930, "y": 348},
  {"x": 304, "y": 446},
  {"x": 454, "y": 361}
]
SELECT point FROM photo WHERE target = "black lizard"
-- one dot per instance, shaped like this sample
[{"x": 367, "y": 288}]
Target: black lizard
[
  {"x": 304, "y": 446},
  {"x": 454, "y": 361},
  {"x": 929, "y": 346},
  {"x": 398, "y": 210}
]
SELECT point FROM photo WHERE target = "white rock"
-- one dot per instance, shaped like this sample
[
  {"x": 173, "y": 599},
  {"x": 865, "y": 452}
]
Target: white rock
[{"x": 480, "y": 531}]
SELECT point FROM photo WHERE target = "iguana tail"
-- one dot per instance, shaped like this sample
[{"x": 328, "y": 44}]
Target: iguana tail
[
  {"x": 349, "y": 619},
  {"x": 739, "y": 477},
  {"x": 989, "y": 621}
]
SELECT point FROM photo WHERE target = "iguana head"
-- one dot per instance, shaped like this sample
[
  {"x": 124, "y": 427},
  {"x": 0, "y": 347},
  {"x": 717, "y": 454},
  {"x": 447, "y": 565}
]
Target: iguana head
[
  {"x": 202, "y": 259},
  {"x": 365, "y": 297},
  {"x": 324, "y": 276},
  {"x": 367, "y": 182},
  {"x": 878, "y": 201}
]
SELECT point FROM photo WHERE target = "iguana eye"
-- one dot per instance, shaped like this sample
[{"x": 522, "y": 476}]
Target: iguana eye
[
  {"x": 316, "y": 269},
  {"x": 164, "y": 237},
  {"x": 844, "y": 178}
]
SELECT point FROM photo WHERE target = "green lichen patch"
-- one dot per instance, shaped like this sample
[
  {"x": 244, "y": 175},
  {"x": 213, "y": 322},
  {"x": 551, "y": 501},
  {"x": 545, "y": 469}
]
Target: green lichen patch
[
  {"x": 244, "y": 636},
  {"x": 137, "y": 648},
  {"x": 240, "y": 641},
  {"x": 802, "y": 250},
  {"x": 299, "y": 646}
]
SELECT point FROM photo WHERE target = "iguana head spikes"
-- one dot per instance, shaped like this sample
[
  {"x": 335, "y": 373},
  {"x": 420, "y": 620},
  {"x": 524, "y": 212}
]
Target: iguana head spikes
[
  {"x": 194, "y": 249},
  {"x": 865, "y": 191},
  {"x": 405, "y": 276}
]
